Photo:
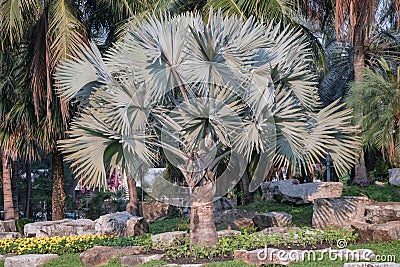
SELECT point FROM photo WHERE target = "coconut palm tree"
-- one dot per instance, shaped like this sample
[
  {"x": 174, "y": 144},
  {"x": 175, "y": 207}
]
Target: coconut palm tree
[{"x": 203, "y": 92}]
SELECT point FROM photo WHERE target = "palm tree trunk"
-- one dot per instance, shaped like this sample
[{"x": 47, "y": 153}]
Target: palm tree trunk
[
  {"x": 58, "y": 196},
  {"x": 28, "y": 171},
  {"x": 133, "y": 206},
  {"x": 202, "y": 226},
  {"x": 248, "y": 197},
  {"x": 7, "y": 192},
  {"x": 14, "y": 187}
]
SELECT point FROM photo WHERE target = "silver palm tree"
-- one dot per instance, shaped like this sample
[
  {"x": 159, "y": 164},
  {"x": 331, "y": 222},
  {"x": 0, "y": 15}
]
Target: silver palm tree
[{"x": 205, "y": 93}]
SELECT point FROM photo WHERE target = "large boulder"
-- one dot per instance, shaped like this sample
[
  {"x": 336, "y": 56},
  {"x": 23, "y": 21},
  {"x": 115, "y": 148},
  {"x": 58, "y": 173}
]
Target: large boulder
[
  {"x": 10, "y": 235},
  {"x": 339, "y": 212},
  {"x": 169, "y": 238},
  {"x": 290, "y": 191},
  {"x": 29, "y": 260},
  {"x": 377, "y": 232},
  {"x": 157, "y": 211},
  {"x": 272, "y": 219},
  {"x": 136, "y": 260},
  {"x": 394, "y": 176},
  {"x": 7, "y": 226},
  {"x": 121, "y": 224},
  {"x": 100, "y": 255},
  {"x": 60, "y": 228},
  {"x": 234, "y": 219},
  {"x": 382, "y": 212}
]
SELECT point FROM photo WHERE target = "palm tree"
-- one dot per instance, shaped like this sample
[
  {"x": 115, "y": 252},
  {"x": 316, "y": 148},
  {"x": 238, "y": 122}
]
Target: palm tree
[{"x": 204, "y": 93}]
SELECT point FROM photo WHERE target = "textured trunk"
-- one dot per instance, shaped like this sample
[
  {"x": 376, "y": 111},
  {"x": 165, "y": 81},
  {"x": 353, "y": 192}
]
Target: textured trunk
[
  {"x": 58, "y": 196},
  {"x": 28, "y": 171},
  {"x": 14, "y": 187},
  {"x": 133, "y": 206},
  {"x": 359, "y": 39},
  {"x": 202, "y": 226},
  {"x": 248, "y": 197},
  {"x": 7, "y": 192}
]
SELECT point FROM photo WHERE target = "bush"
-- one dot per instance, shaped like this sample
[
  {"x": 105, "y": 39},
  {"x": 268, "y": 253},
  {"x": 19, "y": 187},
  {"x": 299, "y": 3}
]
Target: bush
[{"x": 21, "y": 224}]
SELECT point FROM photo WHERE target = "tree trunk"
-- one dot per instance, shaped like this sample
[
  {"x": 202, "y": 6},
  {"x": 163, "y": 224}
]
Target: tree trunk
[
  {"x": 58, "y": 196},
  {"x": 14, "y": 187},
  {"x": 133, "y": 206},
  {"x": 28, "y": 171},
  {"x": 248, "y": 197},
  {"x": 7, "y": 192},
  {"x": 361, "y": 176}
]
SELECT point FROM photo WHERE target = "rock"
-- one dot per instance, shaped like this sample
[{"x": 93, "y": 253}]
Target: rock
[
  {"x": 228, "y": 233},
  {"x": 338, "y": 212},
  {"x": 377, "y": 232},
  {"x": 136, "y": 226},
  {"x": 371, "y": 264},
  {"x": 135, "y": 260},
  {"x": 156, "y": 211},
  {"x": 64, "y": 227},
  {"x": 256, "y": 257},
  {"x": 223, "y": 204},
  {"x": 7, "y": 226},
  {"x": 394, "y": 176},
  {"x": 272, "y": 219},
  {"x": 234, "y": 219},
  {"x": 278, "y": 230},
  {"x": 379, "y": 183},
  {"x": 29, "y": 260},
  {"x": 291, "y": 192},
  {"x": 381, "y": 212},
  {"x": 121, "y": 224},
  {"x": 100, "y": 255},
  {"x": 169, "y": 238},
  {"x": 10, "y": 235}
]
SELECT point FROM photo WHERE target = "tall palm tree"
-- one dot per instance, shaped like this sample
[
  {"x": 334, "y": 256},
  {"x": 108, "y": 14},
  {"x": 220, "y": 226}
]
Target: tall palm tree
[{"x": 202, "y": 92}]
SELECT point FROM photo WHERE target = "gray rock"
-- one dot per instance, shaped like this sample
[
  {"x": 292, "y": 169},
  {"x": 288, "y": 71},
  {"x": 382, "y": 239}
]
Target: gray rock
[
  {"x": 29, "y": 260},
  {"x": 135, "y": 260},
  {"x": 10, "y": 235},
  {"x": 227, "y": 233},
  {"x": 121, "y": 224},
  {"x": 223, "y": 204},
  {"x": 100, "y": 255},
  {"x": 156, "y": 211},
  {"x": 394, "y": 176},
  {"x": 169, "y": 238},
  {"x": 290, "y": 191},
  {"x": 7, "y": 226},
  {"x": 272, "y": 219},
  {"x": 64, "y": 227},
  {"x": 338, "y": 212},
  {"x": 234, "y": 219},
  {"x": 382, "y": 212},
  {"x": 377, "y": 232}
]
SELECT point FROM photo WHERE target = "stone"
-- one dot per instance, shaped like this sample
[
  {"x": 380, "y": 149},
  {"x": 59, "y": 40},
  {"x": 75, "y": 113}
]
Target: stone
[
  {"x": 228, "y": 233},
  {"x": 338, "y": 212},
  {"x": 272, "y": 219},
  {"x": 135, "y": 260},
  {"x": 64, "y": 227},
  {"x": 371, "y": 264},
  {"x": 388, "y": 231},
  {"x": 121, "y": 224},
  {"x": 7, "y": 226},
  {"x": 223, "y": 204},
  {"x": 379, "y": 183},
  {"x": 278, "y": 230},
  {"x": 156, "y": 211},
  {"x": 29, "y": 260},
  {"x": 10, "y": 235},
  {"x": 169, "y": 238},
  {"x": 234, "y": 219},
  {"x": 100, "y": 255},
  {"x": 381, "y": 212},
  {"x": 291, "y": 192},
  {"x": 394, "y": 176}
]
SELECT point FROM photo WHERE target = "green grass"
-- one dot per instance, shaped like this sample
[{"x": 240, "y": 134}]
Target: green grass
[
  {"x": 301, "y": 214},
  {"x": 168, "y": 225},
  {"x": 381, "y": 193},
  {"x": 72, "y": 260}
]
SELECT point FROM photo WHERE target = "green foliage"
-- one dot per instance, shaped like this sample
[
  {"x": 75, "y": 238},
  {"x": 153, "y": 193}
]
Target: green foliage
[
  {"x": 381, "y": 193},
  {"x": 381, "y": 170},
  {"x": 173, "y": 224},
  {"x": 21, "y": 223}
]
